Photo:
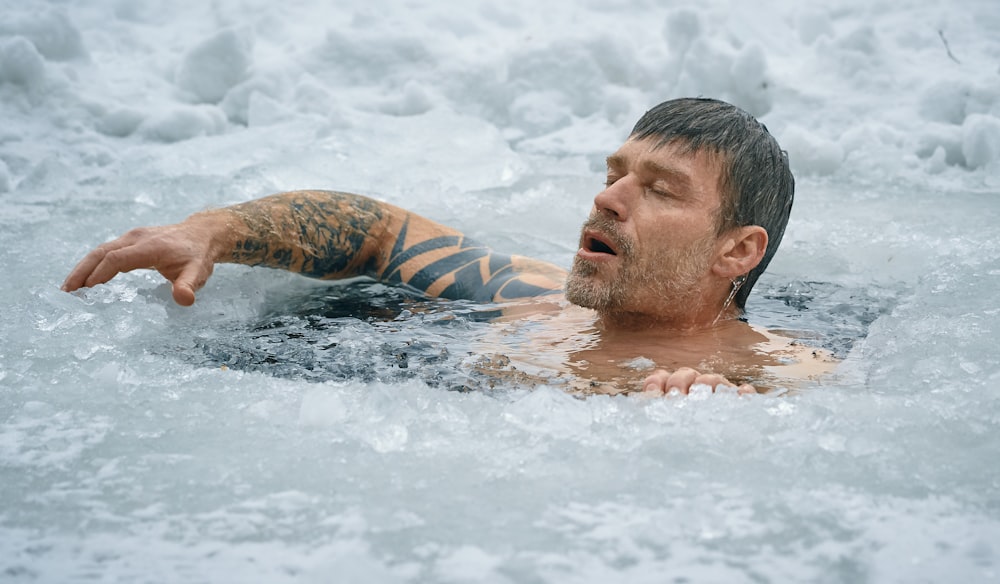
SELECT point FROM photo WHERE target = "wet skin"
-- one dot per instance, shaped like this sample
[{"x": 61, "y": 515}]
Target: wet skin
[{"x": 656, "y": 217}]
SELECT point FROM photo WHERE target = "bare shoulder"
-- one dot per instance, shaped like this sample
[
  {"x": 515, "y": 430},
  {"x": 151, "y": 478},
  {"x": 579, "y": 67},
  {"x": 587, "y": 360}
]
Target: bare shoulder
[{"x": 794, "y": 359}]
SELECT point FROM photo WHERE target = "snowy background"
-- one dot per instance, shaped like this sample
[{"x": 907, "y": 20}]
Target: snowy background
[{"x": 127, "y": 454}]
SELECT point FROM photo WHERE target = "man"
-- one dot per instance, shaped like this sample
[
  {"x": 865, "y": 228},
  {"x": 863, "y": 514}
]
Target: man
[{"x": 695, "y": 206}]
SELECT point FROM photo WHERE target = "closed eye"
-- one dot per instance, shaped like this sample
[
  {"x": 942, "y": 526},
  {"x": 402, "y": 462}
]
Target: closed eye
[{"x": 661, "y": 190}]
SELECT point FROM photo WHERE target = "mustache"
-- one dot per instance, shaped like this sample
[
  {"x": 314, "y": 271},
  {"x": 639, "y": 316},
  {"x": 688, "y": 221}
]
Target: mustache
[{"x": 609, "y": 228}]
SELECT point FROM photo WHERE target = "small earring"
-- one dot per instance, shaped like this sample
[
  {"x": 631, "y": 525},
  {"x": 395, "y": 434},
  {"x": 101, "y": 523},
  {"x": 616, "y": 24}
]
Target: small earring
[{"x": 737, "y": 284}]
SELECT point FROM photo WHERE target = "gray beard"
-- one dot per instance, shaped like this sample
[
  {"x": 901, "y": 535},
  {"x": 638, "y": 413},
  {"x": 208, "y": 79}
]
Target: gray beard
[
  {"x": 667, "y": 280},
  {"x": 581, "y": 289},
  {"x": 588, "y": 293}
]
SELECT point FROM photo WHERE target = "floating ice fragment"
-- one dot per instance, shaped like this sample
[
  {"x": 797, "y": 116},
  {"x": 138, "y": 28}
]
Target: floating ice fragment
[{"x": 639, "y": 363}]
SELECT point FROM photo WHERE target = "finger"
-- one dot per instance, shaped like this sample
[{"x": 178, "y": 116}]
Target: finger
[
  {"x": 119, "y": 261},
  {"x": 191, "y": 279},
  {"x": 712, "y": 380},
  {"x": 747, "y": 389},
  {"x": 656, "y": 381},
  {"x": 75, "y": 280},
  {"x": 681, "y": 380},
  {"x": 83, "y": 270}
]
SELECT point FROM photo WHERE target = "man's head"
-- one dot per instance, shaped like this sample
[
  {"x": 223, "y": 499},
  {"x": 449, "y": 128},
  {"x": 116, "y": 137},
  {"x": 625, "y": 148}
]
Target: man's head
[{"x": 697, "y": 197}]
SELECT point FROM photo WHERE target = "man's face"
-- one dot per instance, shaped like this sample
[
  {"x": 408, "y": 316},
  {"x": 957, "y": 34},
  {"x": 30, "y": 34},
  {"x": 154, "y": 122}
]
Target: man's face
[{"x": 651, "y": 238}]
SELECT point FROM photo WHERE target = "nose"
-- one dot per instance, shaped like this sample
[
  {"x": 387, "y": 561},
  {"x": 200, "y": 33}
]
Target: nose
[{"x": 616, "y": 199}]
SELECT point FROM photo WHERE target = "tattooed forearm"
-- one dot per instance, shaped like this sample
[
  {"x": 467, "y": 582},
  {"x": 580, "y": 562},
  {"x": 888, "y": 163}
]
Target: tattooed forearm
[
  {"x": 316, "y": 233},
  {"x": 338, "y": 235}
]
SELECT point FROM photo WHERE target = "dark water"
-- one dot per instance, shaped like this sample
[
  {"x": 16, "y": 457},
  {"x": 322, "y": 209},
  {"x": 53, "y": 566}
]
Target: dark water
[
  {"x": 831, "y": 316},
  {"x": 362, "y": 331},
  {"x": 366, "y": 331}
]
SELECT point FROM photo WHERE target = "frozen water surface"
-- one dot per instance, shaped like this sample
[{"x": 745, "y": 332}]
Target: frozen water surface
[{"x": 287, "y": 431}]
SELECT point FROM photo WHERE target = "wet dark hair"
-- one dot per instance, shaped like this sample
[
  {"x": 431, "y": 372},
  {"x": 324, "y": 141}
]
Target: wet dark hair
[{"x": 756, "y": 183}]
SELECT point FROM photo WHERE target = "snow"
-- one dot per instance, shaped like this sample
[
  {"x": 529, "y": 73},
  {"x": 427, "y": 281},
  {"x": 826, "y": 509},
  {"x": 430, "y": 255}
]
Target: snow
[{"x": 140, "y": 441}]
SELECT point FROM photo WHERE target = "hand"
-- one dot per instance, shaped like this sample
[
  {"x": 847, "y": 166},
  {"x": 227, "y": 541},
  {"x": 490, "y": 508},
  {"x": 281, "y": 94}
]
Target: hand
[
  {"x": 183, "y": 253},
  {"x": 662, "y": 382}
]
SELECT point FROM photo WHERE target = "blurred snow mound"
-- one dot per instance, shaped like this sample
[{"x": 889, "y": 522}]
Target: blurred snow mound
[
  {"x": 21, "y": 63},
  {"x": 216, "y": 64},
  {"x": 981, "y": 140},
  {"x": 50, "y": 31},
  {"x": 809, "y": 153},
  {"x": 183, "y": 122},
  {"x": 704, "y": 65}
]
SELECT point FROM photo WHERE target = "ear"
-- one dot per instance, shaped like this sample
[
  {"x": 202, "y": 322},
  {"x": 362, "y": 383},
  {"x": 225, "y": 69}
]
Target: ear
[{"x": 741, "y": 251}]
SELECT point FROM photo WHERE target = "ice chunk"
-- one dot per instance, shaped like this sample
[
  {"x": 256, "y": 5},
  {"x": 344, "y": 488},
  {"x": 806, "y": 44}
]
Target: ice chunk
[
  {"x": 639, "y": 363},
  {"x": 944, "y": 101},
  {"x": 183, "y": 123},
  {"x": 539, "y": 112},
  {"x": 549, "y": 411},
  {"x": 980, "y": 140},
  {"x": 323, "y": 407},
  {"x": 412, "y": 99},
  {"x": 120, "y": 122},
  {"x": 236, "y": 104},
  {"x": 216, "y": 64},
  {"x": 945, "y": 137},
  {"x": 936, "y": 164}
]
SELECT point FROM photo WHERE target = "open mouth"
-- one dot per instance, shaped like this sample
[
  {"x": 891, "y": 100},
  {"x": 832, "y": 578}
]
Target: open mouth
[{"x": 598, "y": 245}]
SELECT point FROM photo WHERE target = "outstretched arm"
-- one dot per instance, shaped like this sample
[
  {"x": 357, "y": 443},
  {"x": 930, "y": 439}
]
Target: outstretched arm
[{"x": 324, "y": 235}]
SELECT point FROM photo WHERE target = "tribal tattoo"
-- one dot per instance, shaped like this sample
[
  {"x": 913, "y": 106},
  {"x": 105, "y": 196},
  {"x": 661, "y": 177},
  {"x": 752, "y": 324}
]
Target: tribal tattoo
[{"x": 456, "y": 267}]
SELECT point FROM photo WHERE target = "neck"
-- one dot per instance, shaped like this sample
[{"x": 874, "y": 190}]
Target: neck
[{"x": 633, "y": 322}]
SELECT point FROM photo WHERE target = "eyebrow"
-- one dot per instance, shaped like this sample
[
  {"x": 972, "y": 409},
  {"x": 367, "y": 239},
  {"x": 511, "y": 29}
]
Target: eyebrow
[{"x": 676, "y": 176}]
